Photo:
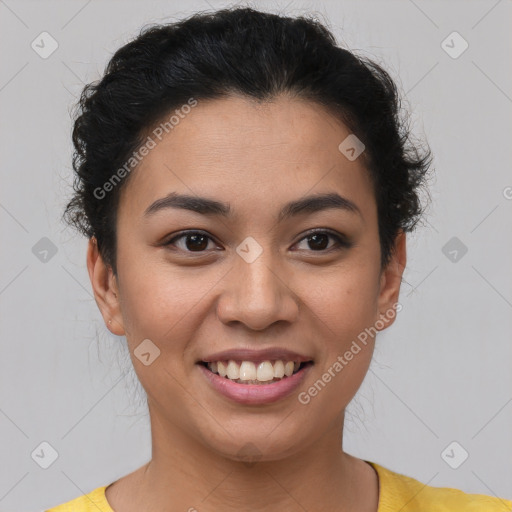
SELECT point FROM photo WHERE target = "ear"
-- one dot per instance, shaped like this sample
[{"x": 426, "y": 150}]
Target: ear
[
  {"x": 390, "y": 280},
  {"x": 104, "y": 285}
]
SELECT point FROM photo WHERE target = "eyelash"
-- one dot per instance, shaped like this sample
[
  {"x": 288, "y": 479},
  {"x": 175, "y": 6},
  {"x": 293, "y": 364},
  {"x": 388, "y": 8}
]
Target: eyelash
[{"x": 341, "y": 241}]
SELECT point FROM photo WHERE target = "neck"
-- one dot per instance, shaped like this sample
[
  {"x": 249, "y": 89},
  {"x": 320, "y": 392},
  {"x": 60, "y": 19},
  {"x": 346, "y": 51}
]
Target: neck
[{"x": 191, "y": 477}]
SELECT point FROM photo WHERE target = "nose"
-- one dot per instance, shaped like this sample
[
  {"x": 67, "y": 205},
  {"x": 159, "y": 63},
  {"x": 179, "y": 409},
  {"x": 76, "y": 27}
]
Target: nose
[{"x": 258, "y": 294}]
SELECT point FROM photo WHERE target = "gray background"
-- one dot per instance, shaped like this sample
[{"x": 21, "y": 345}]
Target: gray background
[{"x": 440, "y": 374}]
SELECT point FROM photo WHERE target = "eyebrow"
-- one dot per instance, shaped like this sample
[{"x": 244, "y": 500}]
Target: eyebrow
[{"x": 206, "y": 206}]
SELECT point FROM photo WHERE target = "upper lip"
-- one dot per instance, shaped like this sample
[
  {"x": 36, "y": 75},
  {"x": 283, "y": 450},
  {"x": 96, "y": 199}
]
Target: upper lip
[{"x": 269, "y": 354}]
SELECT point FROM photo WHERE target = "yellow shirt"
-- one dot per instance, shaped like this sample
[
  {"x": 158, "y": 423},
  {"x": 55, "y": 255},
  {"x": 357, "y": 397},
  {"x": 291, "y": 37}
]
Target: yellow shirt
[{"x": 397, "y": 493}]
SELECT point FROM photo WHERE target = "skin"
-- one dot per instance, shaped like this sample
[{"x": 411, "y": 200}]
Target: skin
[{"x": 257, "y": 157}]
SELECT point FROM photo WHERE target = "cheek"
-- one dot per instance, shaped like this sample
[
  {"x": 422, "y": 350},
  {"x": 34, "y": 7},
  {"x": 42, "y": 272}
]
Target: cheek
[
  {"x": 346, "y": 349},
  {"x": 344, "y": 308},
  {"x": 161, "y": 303},
  {"x": 345, "y": 302}
]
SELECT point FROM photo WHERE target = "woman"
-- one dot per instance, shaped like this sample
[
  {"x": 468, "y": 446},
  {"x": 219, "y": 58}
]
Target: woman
[{"x": 246, "y": 187}]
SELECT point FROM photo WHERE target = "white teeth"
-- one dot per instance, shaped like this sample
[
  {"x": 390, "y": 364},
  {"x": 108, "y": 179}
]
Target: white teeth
[
  {"x": 247, "y": 371},
  {"x": 278, "y": 369},
  {"x": 250, "y": 373},
  {"x": 265, "y": 371},
  {"x": 233, "y": 370},
  {"x": 221, "y": 368}
]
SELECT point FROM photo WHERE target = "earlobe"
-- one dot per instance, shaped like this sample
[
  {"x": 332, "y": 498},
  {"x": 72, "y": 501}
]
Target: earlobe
[
  {"x": 105, "y": 289},
  {"x": 390, "y": 281}
]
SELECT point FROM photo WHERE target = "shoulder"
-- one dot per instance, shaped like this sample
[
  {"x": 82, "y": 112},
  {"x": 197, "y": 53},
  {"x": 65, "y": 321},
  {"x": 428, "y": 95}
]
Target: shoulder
[
  {"x": 400, "y": 492},
  {"x": 95, "y": 501}
]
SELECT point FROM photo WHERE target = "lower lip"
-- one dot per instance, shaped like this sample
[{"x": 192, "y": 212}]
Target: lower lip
[{"x": 255, "y": 394}]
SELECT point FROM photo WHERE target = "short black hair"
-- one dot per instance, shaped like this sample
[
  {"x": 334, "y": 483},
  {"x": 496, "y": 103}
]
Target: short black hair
[{"x": 259, "y": 55}]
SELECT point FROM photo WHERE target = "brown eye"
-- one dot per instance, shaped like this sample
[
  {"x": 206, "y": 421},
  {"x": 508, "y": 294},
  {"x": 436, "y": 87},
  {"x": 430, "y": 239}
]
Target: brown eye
[
  {"x": 194, "y": 241},
  {"x": 318, "y": 241}
]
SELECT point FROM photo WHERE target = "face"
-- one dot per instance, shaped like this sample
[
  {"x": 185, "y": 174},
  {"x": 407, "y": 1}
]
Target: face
[{"x": 252, "y": 277}]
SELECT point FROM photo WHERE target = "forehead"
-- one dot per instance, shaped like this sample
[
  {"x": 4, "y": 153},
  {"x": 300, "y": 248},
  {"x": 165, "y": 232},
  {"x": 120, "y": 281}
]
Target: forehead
[{"x": 236, "y": 148}]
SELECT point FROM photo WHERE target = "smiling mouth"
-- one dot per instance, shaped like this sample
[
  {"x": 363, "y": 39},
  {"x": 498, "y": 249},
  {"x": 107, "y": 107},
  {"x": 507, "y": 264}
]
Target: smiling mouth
[{"x": 250, "y": 372}]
